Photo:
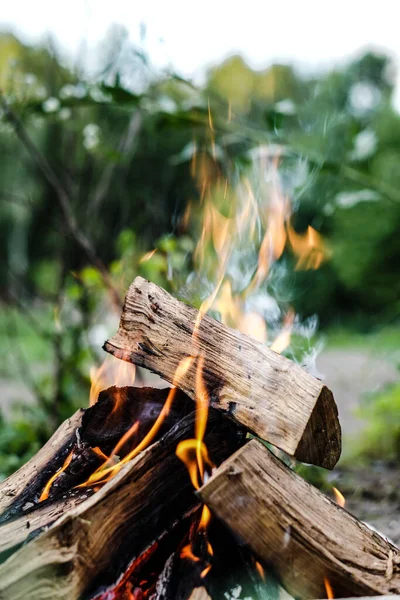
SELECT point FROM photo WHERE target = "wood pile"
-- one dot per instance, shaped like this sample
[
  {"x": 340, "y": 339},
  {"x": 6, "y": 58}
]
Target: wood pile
[{"x": 107, "y": 511}]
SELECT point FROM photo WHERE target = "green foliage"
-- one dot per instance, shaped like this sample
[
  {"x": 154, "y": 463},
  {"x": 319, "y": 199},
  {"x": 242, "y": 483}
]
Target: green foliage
[{"x": 381, "y": 437}]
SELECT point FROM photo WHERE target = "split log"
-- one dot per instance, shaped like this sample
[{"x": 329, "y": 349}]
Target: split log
[
  {"x": 293, "y": 526},
  {"x": 119, "y": 521},
  {"x": 265, "y": 392}
]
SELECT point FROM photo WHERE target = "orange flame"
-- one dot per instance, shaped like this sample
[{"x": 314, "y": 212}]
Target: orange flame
[
  {"x": 260, "y": 570},
  {"x": 339, "y": 498},
  {"x": 112, "y": 372},
  {"x": 328, "y": 589},
  {"x": 108, "y": 470},
  {"x": 309, "y": 248},
  {"x": 193, "y": 452}
]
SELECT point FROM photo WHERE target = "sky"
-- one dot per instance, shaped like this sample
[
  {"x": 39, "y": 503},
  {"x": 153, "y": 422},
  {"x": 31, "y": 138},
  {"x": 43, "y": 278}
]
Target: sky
[{"x": 190, "y": 36}]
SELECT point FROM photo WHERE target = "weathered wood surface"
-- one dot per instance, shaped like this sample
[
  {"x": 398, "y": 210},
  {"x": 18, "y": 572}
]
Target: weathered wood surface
[
  {"x": 15, "y": 484},
  {"x": 267, "y": 393},
  {"x": 305, "y": 535},
  {"x": 116, "y": 523}
]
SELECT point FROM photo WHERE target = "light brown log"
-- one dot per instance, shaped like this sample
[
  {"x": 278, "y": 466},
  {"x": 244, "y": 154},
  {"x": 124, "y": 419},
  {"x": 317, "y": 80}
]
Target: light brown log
[
  {"x": 301, "y": 532},
  {"x": 117, "y": 523},
  {"x": 268, "y": 394}
]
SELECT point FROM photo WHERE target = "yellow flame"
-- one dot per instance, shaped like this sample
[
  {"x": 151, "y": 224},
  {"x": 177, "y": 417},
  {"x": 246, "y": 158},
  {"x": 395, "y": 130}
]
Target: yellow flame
[
  {"x": 147, "y": 256},
  {"x": 46, "y": 490},
  {"x": 339, "y": 498}
]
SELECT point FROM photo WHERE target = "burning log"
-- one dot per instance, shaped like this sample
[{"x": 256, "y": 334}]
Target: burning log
[
  {"x": 310, "y": 541},
  {"x": 75, "y": 451},
  {"x": 121, "y": 520},
  {"x": 48, "y": 458},
  {"x": 268, "y": 394}
]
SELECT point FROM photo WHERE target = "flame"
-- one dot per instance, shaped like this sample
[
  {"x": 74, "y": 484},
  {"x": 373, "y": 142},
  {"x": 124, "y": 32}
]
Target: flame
[
  {"x": 309, "y": 248},
  {"x": 339, "y": 498},
  {"x": 260, "y": 570},
  {"x": 147, "y": 256},
  {"x": 205, "y": 571},
  {"x": 108, "y": 470},
  {"x": 283, "y": 340},
  {"x": 112, "y": 372},
  {"x": 194, "y": 454},
  {"x": 328, "y": 589},
  {"x": 46, "y": 490},
  {"x": 187, "y": 552}
]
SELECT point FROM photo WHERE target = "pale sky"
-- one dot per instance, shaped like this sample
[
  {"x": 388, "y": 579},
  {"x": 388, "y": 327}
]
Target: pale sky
[{"x": 310, "y": 33}]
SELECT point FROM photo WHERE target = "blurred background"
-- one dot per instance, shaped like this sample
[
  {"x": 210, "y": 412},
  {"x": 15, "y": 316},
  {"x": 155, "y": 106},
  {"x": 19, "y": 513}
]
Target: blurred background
[{"x": 113, "y": 117}]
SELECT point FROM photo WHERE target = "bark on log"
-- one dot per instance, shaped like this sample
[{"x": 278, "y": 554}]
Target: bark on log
[
  {"x": 267, "y": 393},
  {"x": 117, "y": 523},
  {"x": 301, "y": 532}
]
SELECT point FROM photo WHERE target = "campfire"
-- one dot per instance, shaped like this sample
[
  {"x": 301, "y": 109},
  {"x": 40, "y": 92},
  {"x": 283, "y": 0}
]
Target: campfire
[
  {"x": 187, "y": 492},
  {"x": 160, "y": 493}
]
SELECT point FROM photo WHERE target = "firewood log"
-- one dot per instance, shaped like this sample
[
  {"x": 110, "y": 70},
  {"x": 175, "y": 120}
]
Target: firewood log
[
  {"x": 48, "y": 457},
  {"x": 268, "y": 394},
  {"x": 115, "y": 524},
  {"x": 306, "y": 537},
  {"x": 100, "y": 426}
]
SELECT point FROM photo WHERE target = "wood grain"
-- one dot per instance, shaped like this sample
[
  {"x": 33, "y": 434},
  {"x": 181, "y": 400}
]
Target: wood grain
[
  {"x": 300, "y": 531},
  {"x": 268, "y": 394},
  {"x": 115, "y": 524}
]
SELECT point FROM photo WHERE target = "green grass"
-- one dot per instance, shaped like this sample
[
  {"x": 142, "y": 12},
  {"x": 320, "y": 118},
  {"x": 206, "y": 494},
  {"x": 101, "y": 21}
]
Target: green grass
[{"x": 380, "y": 439}]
